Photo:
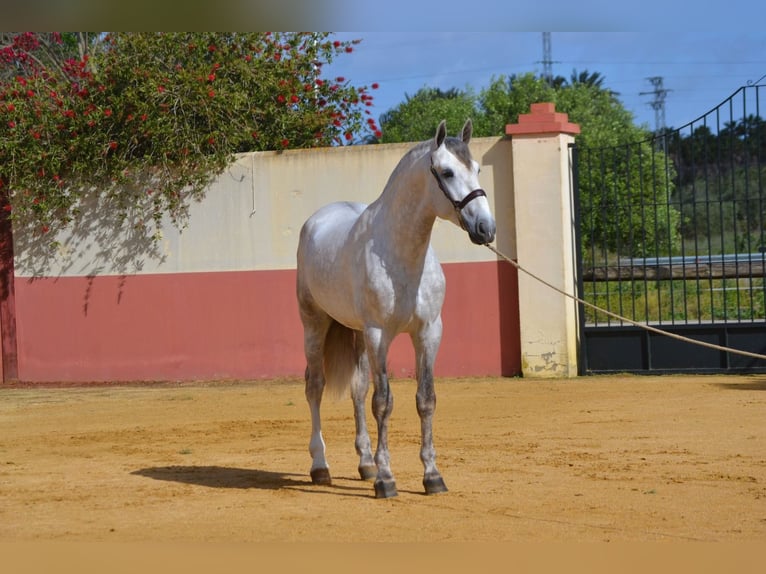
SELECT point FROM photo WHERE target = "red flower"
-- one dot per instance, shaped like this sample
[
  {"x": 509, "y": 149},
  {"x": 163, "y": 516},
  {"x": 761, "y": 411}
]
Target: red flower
[
  {"x": 285, "y": 142},
  {"x": 294, "y": 99},
  {"x": 378, "y": 134},
  {"x": 112, "y": 145},
  {"x": 319, "y": 82},
  {"x": 349, "y": 49},
  {"x": 348, "y": 136},
  {"x": 11, "y": 124},
  {"x": 211, "y": 77},
  {"x": 280, "y": 98},
  {"x": 160, "y": 89},
  {"x": 107, "y": 112},
  {"x": 211, "y": 140},
  {"x": 45, "y": 229},
  {"x": 277, "y": 57},
  {"x": 336, "y": 43},
  {"x": 7, "y": 207},
  {"x": 340, "y": 79},
  {"x": 375, "y": 85},
  {"x": 143, "y": 117},
  {"x": 10, "y": 107},
  {"x": 211, "y": 48},
  {"x": 248, "y": 58}
]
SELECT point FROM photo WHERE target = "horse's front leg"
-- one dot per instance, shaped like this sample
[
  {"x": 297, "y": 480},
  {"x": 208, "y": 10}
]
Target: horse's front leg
[
  {"x": 426, "y": 344},
  {"x": 382, "y": 405}
]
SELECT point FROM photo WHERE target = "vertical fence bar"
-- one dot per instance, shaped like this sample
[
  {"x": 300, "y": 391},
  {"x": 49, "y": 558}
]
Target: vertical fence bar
[
  {"x": 760, "y": 140},
  {"x": 644, "y": 242},
  {"x": 582, "y": 363}
]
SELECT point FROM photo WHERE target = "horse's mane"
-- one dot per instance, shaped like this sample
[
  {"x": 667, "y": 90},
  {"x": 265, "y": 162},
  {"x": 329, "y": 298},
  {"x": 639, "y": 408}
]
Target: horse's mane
[{"x": 455, "y": 145}]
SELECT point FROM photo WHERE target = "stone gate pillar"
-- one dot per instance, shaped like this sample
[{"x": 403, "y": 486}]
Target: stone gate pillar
[{"x": 545, "y": 240}]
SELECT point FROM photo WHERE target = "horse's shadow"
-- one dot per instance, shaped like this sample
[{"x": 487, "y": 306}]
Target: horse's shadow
[
  {"x": 224, "y": 477},
  {"x": 749, "y": 385},
  {"x": 242, "y": 478}
]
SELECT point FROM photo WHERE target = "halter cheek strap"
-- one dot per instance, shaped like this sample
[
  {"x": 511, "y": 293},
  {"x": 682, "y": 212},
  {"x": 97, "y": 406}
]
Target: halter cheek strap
[{"x": 458, "y": 205}]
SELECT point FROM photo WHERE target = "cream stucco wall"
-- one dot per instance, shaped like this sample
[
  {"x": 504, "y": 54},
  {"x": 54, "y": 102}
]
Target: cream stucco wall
[{"x": 251, "y": 215}]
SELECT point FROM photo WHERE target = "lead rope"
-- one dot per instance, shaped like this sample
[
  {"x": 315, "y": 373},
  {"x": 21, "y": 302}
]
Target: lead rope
[{"x": 625, "y": 319}]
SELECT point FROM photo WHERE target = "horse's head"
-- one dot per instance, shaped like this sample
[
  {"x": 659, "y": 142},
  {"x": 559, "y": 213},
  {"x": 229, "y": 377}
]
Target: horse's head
[{"x": 456, "y": 174}]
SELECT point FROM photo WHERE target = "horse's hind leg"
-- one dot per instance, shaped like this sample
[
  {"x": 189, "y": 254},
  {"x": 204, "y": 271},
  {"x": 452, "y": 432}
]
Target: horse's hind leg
[
  {"x": 315, "y": 328},
  {"x": 359, "y": 388}
]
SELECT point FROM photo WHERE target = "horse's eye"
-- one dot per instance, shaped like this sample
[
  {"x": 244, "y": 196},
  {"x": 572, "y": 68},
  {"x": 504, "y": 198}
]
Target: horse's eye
[{"x": 448, "y": 173}]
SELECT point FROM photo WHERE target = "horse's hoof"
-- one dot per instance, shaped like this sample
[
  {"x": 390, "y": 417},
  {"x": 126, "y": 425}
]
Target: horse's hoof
[
  {"x": 385, "y": 489},
  {"x": 321, "y": 476},
  {"x": 434, "y": 485},
  {"x": 368, "y": 471}
]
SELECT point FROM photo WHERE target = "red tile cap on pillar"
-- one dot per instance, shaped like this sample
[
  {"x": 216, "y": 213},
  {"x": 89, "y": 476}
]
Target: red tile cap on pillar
[{"x": 542, "y": 119}]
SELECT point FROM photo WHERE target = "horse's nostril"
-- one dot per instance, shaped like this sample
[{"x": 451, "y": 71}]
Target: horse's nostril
[{"x": 486, "y": 231}]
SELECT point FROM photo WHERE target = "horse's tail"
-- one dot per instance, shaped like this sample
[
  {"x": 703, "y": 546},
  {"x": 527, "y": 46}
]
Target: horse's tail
[{"x": 341, "y": 360}]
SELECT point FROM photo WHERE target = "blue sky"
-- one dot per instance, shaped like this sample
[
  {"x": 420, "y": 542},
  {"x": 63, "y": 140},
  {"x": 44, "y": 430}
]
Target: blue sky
[{"x": 700, "y": 69}]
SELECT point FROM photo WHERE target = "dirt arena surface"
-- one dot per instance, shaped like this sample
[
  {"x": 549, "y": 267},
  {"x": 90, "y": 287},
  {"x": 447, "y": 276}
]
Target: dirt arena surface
[{"x": 593, "y": 459}]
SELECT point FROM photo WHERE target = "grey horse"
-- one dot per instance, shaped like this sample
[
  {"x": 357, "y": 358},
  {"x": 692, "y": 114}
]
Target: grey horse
[{"x": 367, "y": 273}]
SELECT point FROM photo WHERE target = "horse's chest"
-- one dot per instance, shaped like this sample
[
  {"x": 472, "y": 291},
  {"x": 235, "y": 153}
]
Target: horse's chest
[{"x": 399, "y": 295}]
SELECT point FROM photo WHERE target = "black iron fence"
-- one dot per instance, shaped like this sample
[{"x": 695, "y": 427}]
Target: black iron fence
[{"x": 673, "y": 229}]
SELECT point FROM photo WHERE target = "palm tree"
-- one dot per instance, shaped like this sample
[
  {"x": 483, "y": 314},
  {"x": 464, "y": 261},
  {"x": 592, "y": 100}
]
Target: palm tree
[{"x": 594, "y": 79}]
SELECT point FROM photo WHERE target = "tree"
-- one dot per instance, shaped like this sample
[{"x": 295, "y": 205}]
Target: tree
[
  {"x": 147, "y": 119},
  {"x": 506, "y": 98},
  {"x": 416, "y": 118},
  {"x": 625, "y": 184},
  {"x": 612, "y": 195}
]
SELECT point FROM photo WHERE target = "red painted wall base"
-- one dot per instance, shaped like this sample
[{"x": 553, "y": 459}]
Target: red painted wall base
[{"x": 234, "y": 325}]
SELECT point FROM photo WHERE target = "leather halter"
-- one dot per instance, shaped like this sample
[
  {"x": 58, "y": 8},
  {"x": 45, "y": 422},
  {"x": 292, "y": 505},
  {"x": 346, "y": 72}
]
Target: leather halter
[{"x": 458, "y": 205}]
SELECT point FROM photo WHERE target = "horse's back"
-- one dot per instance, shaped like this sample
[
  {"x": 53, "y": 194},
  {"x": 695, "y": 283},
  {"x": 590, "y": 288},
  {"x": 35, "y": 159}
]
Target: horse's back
[{"x": 326, "y": 231}]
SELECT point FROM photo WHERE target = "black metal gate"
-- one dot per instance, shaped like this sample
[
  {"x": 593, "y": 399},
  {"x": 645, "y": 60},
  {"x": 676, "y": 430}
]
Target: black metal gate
[{"x": 672, "y": 233}]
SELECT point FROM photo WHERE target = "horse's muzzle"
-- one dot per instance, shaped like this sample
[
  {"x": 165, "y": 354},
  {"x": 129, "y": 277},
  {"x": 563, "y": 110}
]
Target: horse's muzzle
[{"x": 483, "y": 232}]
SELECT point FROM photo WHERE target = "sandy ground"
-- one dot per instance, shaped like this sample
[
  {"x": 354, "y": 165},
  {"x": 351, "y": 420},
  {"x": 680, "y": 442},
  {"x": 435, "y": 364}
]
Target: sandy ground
[{"x": 592, "y": 459}]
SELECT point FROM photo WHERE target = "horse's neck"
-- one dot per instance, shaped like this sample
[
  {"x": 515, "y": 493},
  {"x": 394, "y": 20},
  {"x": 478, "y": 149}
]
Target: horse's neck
[{"x": 405, "y": 214}]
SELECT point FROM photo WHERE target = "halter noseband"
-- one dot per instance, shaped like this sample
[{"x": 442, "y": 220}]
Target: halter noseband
[{"x": 458, "y": 205}]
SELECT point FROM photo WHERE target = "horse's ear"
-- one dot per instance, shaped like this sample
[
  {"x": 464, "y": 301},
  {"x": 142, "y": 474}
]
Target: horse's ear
[
  {"x": 467, "y": 131},
  {"x": 441, "y": 133}
]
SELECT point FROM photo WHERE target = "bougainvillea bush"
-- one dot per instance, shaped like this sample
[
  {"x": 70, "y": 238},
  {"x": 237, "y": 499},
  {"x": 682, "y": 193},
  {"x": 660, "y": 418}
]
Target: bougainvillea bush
[{"x": 148, "y": 119}]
